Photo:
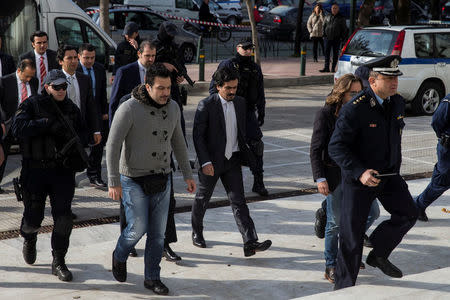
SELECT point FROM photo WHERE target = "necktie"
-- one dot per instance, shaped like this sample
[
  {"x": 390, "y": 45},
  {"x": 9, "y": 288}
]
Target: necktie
[
  {"x": 92, "y": 82},
  {"x": 42, "y": 70},
  {"x": 24, "y": 92},
  {"x": 72, "y": 92},
  {"x": 229, "y": 129}
]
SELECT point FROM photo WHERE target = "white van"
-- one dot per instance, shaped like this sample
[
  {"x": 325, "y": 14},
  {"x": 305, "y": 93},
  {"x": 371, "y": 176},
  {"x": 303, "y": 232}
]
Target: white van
[{"x": 62, "y": 20}]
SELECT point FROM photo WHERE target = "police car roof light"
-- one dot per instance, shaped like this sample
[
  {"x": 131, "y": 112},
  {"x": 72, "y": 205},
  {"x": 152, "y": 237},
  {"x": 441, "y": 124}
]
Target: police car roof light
[
  {"x": 348, "y": 41},
  {"x": 398, "y": 46}
]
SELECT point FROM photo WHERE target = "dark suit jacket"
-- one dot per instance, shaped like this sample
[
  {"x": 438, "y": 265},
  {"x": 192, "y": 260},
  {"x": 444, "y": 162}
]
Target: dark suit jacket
[
  {"x": 100, "y": 98},
  {"x": 8, "y": 65},
  {"x": 9, "y": 96},
  {"x": 89, "y": 112},
  {"x": 127, "y": 78},
  {"x": 209, "y": 131},
  {"x": 51, "y": 59}
]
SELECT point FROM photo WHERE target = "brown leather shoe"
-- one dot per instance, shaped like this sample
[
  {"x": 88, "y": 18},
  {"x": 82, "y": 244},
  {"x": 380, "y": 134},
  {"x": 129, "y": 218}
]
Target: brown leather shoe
[{"x": 330, "y": 274}]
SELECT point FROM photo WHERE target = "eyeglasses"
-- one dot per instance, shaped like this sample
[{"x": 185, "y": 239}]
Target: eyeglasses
[{"x": 59, "y": 87}]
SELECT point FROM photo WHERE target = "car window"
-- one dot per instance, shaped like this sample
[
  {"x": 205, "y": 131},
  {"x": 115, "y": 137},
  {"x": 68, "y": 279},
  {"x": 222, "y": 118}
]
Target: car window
[
  {"x": 423, "y": 43},
  {"x": 153, "y": 21},
  {"x": 443, "y": 45},
  {"x": 95, "y": 40},
  {"x": 184, "y": 4},
  {"x": 372, "y": 43},
  {"x": 68, "y": 31}
]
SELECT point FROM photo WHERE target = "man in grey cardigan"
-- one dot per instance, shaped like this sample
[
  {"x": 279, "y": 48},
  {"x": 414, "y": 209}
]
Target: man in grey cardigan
[{"x": 144, "y": 132}]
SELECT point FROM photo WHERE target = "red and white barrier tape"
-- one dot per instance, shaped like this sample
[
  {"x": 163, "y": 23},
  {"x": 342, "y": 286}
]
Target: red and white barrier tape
[{"x": 186, "y": 20}]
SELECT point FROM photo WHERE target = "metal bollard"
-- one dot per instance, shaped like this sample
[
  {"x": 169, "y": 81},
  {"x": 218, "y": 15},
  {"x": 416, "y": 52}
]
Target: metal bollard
[
  {"x": 302, "y": 60},
  {"x": 201, "y": 65}
]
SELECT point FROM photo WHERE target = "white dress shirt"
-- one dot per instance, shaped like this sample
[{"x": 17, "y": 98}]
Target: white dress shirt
[
  {"x": 72, "y": 79},
  {"x": 19, "y": 89},
  {"x": 38, "y": 67}
]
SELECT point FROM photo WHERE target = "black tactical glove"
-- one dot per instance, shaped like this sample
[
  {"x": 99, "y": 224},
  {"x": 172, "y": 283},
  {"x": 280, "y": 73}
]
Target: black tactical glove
[{"x": 260, "y": 120}]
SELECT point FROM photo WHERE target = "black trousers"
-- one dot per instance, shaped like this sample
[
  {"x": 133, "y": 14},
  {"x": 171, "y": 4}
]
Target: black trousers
[
  {"x": 329, "y": 46},
  {"x": 316, "y": 41},
  {"x": 94, "y": 169},
  {"x": 59, "y": 185},
  {"x": 7, "y": 142},
  {"x": 171, "y": 231},
  {"x": 394, "y": 196},
  {"x": 231, "y": 177},
  {"x": 254, "y": 140}
]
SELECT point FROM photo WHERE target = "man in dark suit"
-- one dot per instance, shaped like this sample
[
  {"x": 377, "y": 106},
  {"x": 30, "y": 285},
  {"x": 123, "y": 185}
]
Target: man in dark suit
[
  {"x": 131, "y": 75},
  {"x": 96, "y": 72},
  {"x": 219, "y": 140},
  {"x": 43, "y": 58},
  {"x": 14, "y": 89},
  {"x": 80, "y": 92},
  {"x": 7, "y": 65}
]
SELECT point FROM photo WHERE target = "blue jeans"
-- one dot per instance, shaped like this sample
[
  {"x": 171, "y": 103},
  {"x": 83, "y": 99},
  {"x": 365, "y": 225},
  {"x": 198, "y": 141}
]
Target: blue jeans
[
  {"x": 334, "y": 200},
  {"x": 144, "y": 214}
]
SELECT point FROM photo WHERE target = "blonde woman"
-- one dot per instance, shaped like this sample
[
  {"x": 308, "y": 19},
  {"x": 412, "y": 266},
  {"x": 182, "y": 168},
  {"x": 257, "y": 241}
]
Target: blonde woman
[{"x": 315, "y": 28}]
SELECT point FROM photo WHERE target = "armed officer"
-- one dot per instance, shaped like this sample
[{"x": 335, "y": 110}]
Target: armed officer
[
  {"x": 251, "y": 87},
  {"x": 366, "y": 146},
  {"x": 49, "y": 162},
  {"x": 440, "y": 180}
]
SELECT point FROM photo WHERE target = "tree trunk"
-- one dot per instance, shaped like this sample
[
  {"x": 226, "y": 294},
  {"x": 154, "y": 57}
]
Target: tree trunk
[
  {"x": 402, "y": 10},
  {"x": 365, "y": 12},
  {"x": 298, "y": 28},
  {"x": 250, "y": 4},
  {"x": 104, "y": 16}
]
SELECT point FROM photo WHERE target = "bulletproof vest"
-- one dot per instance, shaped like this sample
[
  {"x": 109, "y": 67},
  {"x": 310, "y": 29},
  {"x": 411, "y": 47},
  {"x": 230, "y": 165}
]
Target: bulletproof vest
[{"x": 248, "y": 80}]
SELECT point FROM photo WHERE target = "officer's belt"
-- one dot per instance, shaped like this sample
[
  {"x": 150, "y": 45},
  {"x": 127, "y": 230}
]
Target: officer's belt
[{"x": 39, "y": 164}]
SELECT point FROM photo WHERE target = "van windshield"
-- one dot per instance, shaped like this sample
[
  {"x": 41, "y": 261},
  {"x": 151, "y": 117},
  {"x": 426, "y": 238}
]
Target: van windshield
[
  {"x": 372, "y": 43},
  {"x": 18, "y": 20}
]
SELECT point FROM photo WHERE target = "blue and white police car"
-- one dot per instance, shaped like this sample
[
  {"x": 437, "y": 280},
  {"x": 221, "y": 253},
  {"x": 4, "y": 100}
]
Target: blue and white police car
[{"x": 425, "y": 52}]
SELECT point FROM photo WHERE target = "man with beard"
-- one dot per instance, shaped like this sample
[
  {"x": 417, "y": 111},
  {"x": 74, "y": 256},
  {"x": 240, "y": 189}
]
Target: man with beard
[{"x": 251, "y": 88}]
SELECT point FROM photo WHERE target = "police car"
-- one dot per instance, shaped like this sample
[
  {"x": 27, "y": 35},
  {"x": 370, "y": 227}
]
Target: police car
[{"x": 425, "y": 52}]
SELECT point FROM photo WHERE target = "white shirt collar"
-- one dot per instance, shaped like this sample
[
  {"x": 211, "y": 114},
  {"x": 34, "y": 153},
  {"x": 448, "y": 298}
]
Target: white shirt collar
[
  {"x": 141, "y": 66},
  {"x": 68, "y": 75},
  {"x": 224, "y": 102},
  {"x": 38, "y": 55}
]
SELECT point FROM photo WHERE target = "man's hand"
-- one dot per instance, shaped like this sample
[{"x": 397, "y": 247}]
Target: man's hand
[
  {"x": 323, "y": 188},
  {"x": 111, "y": 79},
  {"x": 180, "y": 79},
  {"x": 97, "y": 138},
  {"x": 115, "y": 192},
  {"x": 105, "y": 117},
  {"x": 368, "y": 179},
  {"x": 133, "y": 43},
  {"x": 208, "y": 170},
  {"x": 191, "y": 187},
  {"x": 170, "y": 67}
]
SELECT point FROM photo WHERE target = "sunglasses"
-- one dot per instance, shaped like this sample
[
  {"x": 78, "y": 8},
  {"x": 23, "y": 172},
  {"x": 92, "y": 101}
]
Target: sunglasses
[
  {"x": 247, "y": 47},
  {"x": 59, "y": 87}
]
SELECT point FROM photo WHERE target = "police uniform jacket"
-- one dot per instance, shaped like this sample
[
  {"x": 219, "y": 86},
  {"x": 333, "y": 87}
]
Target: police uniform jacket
[
  {"x": 321, "y": 163},
  {"x": 125, "y": 54},
  {"x": 441, "y": 118},
  {"x": 367, "y": 136}
]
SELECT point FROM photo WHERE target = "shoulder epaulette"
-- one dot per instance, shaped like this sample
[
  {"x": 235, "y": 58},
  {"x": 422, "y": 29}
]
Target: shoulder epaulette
[{"x": 359, "y": 99}]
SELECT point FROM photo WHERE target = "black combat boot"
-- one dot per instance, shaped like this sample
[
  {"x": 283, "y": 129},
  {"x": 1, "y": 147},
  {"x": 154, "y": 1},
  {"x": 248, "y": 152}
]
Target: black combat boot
[
  {"x": 59, "y": 267},
  {"x": 29, "y": 250},
  {"x": 258, "y": 185}
]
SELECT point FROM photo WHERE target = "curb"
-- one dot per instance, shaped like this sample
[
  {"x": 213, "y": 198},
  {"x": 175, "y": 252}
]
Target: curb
[{"x": 203, "y": 86}]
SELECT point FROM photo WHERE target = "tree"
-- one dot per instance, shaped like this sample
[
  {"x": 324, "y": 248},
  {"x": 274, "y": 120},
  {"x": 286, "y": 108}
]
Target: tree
[
  {"x": 250, "y": 4},
  {"x": 298, "y": 28},
  {"x": 104, "y": 16}
]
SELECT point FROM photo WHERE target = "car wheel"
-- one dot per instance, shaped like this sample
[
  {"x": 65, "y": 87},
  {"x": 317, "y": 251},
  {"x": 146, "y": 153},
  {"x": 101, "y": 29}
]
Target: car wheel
[
  {"x": 232, "y": 20},
  {"x": 427, "y": 98},
  {"x": 188, "y": 52}
]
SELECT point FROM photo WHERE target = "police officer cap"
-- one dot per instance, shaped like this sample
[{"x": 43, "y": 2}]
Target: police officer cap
[
  {"x": 130, "y": 28},
  {"x": 246, "y": 42},
  {"x": 55, "y": 77},
  {"x": 386, "y": 65},
  {"x": 363, "y": 73}
]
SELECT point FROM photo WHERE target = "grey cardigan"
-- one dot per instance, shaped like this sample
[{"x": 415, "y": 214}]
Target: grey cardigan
[{"x": 143, "y": 137}]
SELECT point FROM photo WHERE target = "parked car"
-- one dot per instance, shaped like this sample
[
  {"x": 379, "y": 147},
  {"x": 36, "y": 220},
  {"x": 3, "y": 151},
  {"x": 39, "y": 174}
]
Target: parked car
[
  {"x": 344, "y": 6},
  {"x": 149, "y": 22},
  {"x": 425, "y": 52},
  {"x": 227, "y": 16},
  {"x": 420, "y": 12},
  {"x": 445, "y": 16},
  {"x": 281, "y": 22},
  {"x": 383, "y": 9}
]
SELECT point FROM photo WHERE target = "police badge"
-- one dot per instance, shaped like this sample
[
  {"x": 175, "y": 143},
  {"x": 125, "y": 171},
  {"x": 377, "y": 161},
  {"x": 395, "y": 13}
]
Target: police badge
[{"x": 372, "y": 102}]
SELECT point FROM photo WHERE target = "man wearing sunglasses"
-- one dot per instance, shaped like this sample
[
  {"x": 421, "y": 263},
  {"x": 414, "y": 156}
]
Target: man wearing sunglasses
[
  {"x": 45, "y": 171},
  {"x": 251, "y": 88}
]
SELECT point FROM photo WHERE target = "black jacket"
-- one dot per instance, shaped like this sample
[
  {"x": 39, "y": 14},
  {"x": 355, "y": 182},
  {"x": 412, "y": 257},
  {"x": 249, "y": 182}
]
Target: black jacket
[
  {"x": 204, "y": 14},
  {"x": 321, "y": 163},
  {"x": 367, "y": 136},
  {"x": 335, "y": 27},
  {"x": 209, "y": 132},
  {"x": 51, "y": 59},
  {"x": 8, "y": 65},
  {"x": 125, "y": 54},
  {"x": 100, "y": 98}
]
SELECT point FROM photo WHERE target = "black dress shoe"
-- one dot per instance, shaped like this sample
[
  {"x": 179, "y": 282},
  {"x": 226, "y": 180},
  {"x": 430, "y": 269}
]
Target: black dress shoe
[
  {"x": 367, "y": 243},
  {"x": 169, "y": 254},
  {"x": 250, "y": 248},
  {"x": 320, "y": 223},
  {"x": 324, "y": 71},
  {"x": 384, "y": 265},
  {"x": 329, "y": 274},
  {"x": 198, "y": 240},
  {"x": 156, "y": 286},
  {"x": 119, "y": 269},
  {"x": 29, "y": 251},
  {"x": 97, "y": 182},
  {"x": 60, "y": 269},
  {"x": 422, "y": 215},
  {"x": 133, "y": 252},
  {"x": 258, "y": 186}
]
